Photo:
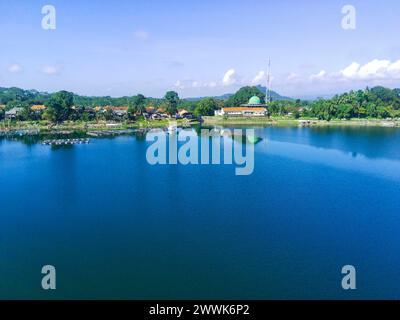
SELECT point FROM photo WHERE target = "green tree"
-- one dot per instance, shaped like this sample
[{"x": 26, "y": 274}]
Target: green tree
[
  {"x": 243, "y": 95},
  {"x": 137, "y": 104},
  {"x": 27, "y": 114},
  {"x": 60, "y": 106},
  {"x": 372, "y": 110},
  {"x": 16, "y": 104},
  {"x": 206, "y": 107},
  {"x": 187, "y": 105},
  {"x": 109, "y": 115},
  {"x": 384, "y": 94},
  {"x": 49, "y": 114},
  {"x": 172, "y": 100},
  {"x": 383, "y": 112},
  {"x": 362, "y": 112},
  {"x": 345, "y": 111}
]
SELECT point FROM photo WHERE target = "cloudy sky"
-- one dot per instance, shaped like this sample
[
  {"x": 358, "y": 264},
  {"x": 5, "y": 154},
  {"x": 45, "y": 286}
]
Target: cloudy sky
[{"x": 199, "y": 48}]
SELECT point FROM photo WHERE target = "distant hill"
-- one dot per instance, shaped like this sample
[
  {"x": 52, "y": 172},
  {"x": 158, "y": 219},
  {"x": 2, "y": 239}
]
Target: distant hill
[
  {"x": 223, "y": 97},
  {"x": 275, "y": 96},
  {"x": 314, "y": 97}
]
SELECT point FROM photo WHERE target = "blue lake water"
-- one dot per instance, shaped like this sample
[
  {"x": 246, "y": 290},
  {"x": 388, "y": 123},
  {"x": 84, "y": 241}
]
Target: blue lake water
[{"x": 116, "y": 227}]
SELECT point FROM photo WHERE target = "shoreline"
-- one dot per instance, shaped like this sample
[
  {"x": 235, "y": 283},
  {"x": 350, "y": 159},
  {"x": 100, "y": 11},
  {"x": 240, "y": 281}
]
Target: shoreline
[
  {"x": 281, "y": 122},
  {"x": 86, "y": 126},
  {"x": 208, "y": 121}
]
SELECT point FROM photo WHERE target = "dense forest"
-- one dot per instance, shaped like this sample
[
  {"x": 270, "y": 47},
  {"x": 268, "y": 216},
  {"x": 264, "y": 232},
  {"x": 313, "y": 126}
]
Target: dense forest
[
  {"x": 377, "y": 102},
  {"x": 16, "y": 97}
]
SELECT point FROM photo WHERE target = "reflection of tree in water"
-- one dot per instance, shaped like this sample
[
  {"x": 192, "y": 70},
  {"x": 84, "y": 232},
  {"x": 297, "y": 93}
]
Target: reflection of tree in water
[
  {"x": 140, "y": 136},
  {"x": 59, "y": 147},
  {"x": 372, "y": 142},
  {"x": 32, "y": 139},
  {"x": 29, "y": 139}
]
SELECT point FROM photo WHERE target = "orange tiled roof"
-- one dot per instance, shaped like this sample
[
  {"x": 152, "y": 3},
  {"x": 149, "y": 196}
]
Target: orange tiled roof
[
  {"x": 182, "y": 112},
  {"x": 240, "y": 109},
  {"x": 116, "y": 108},
  {"x": 38, "y": 107}
]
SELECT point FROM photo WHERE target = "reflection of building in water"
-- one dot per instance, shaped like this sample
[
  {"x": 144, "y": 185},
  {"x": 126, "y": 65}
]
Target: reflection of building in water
[{"x": 254, "y": 108}]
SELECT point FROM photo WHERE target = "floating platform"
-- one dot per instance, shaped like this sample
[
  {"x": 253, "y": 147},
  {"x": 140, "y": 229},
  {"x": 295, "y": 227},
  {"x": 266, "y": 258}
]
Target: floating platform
[{"x": 65, "y": 142}]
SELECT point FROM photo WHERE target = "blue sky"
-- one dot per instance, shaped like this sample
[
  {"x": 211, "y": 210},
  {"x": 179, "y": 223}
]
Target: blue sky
[{"x": 199, "y": 48}]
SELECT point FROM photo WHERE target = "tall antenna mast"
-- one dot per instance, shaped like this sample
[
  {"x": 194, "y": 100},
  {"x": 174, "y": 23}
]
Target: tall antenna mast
[{"x": 268, "y": 93}]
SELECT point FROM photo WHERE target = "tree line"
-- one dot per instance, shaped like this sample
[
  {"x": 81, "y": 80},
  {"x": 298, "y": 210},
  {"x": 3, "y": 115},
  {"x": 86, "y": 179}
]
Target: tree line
[
  {"x": 64, "y": 105},
  {"x": 377, "y": 102}
]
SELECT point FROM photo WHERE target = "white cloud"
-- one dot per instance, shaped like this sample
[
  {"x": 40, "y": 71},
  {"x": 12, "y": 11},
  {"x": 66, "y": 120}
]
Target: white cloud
[
  {"x": 229, "y": 77},
  {"x": 374, "y": 72},
  {"x": 375, "y": 68},
  {"x": 260, "y": 78},
  {"x": 351, "y": 71},
  {"x": 141, "y": 34},
  {"x": 394, "y": 69},
  {"x": 15, "y": 68},
  {"x": 355, "y": 75},
  {"x": 319, "y": 76},
  {"x": 50, "y": 70}
]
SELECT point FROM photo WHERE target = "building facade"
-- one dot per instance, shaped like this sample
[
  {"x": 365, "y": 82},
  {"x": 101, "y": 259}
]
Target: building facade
[{"x": 254, "y": 108}]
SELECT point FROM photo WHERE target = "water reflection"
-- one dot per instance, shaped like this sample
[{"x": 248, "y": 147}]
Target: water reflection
[
  {"x": 30, "y": 139},
  {"x": 371, "y": 142},
  {"x": 385, "y": 168}
]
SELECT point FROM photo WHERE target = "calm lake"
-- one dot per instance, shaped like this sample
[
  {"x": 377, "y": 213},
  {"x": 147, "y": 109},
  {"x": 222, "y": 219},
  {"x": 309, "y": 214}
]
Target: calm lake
[{"x": 116, "y": 227}]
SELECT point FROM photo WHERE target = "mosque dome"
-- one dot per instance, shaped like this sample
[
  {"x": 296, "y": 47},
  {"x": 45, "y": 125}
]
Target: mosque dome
[{"x": 255, "y": 100}]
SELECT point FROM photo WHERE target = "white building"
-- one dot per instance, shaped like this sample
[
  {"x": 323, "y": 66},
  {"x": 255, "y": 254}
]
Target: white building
[{"x": 252, "y": 109}]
